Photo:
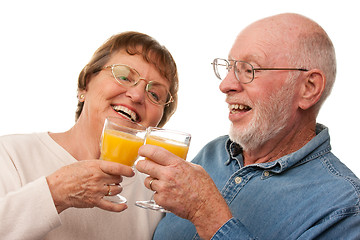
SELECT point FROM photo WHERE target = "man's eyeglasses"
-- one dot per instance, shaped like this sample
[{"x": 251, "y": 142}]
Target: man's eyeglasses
[
  {"x": 244, "y": 71},
  {"x": 129, "y": 77}
]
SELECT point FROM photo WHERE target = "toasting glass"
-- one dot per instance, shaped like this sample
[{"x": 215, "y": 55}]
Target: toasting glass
[
  {"x": 120, "y": 142},
  {"x": 174, "y": 141}
]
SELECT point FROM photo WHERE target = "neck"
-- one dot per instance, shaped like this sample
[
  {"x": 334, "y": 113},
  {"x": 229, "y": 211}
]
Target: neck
[
  {"x": 81, "y": 141},
  {"x": 288, "y": 142}
]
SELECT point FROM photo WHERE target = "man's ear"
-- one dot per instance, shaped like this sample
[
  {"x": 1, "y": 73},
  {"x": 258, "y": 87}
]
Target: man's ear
[{"x": 312, "y": 88}]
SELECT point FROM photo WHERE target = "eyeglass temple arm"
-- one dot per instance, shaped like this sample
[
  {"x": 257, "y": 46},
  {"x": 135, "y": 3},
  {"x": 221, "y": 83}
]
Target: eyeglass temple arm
[{"x": 295, "y": 69}]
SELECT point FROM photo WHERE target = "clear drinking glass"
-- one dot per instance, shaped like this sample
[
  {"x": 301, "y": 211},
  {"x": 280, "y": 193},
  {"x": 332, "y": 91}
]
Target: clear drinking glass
[
  {"x": 120, "y": 142},
  {"x": 174, "y": 141}
]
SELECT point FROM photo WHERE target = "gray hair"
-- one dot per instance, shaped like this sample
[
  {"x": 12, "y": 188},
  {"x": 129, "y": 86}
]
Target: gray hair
[{"x": 315, "y": 50}]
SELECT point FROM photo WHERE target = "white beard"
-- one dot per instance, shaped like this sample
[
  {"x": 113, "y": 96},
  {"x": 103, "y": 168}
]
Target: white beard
[{"x": 270, "y": 118}]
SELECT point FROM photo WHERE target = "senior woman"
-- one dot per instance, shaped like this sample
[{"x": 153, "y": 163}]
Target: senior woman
[{"x": 52, "y": 185}]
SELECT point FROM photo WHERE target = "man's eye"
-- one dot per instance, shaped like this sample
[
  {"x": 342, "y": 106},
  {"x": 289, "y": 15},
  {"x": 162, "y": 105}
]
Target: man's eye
[{"x": 248, "y": 70}]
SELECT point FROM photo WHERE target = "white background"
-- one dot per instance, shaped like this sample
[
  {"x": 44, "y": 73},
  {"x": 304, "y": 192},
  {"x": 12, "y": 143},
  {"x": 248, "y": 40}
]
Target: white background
[{"x": 45, "y": 44}]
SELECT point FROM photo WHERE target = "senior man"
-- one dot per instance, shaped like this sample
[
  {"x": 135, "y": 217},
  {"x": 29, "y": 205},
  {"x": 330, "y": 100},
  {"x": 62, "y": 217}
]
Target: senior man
[{"x": 274, "y": 176}]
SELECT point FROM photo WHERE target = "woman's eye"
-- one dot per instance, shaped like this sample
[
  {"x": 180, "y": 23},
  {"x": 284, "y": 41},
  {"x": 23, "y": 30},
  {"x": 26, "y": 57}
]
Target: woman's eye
[
  {"x": 154, "y": 96},
  {"x": 124, "y": 79}
]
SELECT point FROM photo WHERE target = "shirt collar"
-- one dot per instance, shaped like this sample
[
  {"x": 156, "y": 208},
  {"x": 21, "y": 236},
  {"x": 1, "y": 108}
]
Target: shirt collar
[
  {"x": 316, "y": 147},
  {"x": 234, "y": 151}
]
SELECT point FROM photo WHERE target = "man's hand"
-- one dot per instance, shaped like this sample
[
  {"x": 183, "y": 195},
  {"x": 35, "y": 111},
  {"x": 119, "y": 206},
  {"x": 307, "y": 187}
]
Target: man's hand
[{"x": 185, "y": 189}]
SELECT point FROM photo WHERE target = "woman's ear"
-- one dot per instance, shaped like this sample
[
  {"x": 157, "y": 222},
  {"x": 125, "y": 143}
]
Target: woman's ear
[{"x": 312, "y": 88}]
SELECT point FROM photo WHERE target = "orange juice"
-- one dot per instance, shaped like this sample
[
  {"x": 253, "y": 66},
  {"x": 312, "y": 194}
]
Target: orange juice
[
  {"x": 173, "y": 146},
  {"x": 120, "y": 147}
]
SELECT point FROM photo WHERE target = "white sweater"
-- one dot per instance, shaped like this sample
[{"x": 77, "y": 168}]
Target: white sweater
[{"x": 27, "y": 210}]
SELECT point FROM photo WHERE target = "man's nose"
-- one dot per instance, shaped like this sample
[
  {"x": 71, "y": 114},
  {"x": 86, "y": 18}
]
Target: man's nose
[{"x": 230, "y": 83}]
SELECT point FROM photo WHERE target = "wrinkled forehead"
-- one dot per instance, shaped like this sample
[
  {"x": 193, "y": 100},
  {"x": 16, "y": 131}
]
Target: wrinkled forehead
[{"x": 259, "y": 41}]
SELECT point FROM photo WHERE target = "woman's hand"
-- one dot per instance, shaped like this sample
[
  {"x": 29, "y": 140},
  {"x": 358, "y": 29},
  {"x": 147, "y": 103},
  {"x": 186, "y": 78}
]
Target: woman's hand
[{"x": 84, "y": 184}]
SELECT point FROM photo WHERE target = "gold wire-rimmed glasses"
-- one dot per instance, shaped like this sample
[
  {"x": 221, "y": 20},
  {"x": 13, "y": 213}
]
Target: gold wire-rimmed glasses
[
  {"x": 244, "y": 71},
  {"x": 129, "y": 77}
]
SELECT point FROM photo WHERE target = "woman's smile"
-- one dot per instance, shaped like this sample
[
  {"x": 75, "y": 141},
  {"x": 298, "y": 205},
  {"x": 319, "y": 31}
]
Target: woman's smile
[{"x": 126, "y": 113}]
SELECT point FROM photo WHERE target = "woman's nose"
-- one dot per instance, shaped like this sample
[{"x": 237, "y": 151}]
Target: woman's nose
[{"x": 137, "y": 92}]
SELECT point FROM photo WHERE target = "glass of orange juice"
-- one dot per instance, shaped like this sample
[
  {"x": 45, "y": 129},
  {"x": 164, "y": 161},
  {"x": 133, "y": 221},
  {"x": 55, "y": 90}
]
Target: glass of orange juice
[
  {"x": 174, "y": 141},
  {"x": 120, "y": 142}
]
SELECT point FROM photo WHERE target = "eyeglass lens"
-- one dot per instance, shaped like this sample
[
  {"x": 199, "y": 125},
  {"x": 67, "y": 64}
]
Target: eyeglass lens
[
  {"x": 244, "y": 72},
  {"x": 127, "y": 76}
]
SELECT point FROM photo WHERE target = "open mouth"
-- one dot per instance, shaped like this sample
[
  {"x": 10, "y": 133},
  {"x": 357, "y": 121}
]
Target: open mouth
[
  {"x": 236, "y": 108},
  {"x": 125, "y": 112}
]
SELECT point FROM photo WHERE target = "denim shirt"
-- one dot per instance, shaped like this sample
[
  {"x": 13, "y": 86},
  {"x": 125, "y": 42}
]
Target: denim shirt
[{"x": 308, "y": 194}]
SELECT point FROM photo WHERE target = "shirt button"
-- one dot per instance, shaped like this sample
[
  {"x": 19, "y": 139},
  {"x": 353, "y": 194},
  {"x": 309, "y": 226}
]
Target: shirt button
[
  {"x": 266, "y": 173},
  {"x": 238, "y": 180}
]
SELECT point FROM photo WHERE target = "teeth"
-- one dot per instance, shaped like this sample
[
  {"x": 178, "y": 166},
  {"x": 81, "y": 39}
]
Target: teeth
[
  {"x": 128, "y": 113},
  {"x": 234, "y": 107}
]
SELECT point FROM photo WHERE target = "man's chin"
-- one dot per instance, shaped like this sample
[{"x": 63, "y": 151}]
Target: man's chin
[
  {"x": 248, "y": 139},
  {"x": 238, "y": 135}
]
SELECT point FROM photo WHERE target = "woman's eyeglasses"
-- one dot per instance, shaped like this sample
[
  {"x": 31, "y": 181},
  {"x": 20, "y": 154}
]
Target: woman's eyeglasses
[{"x": 129, "y": 77}]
